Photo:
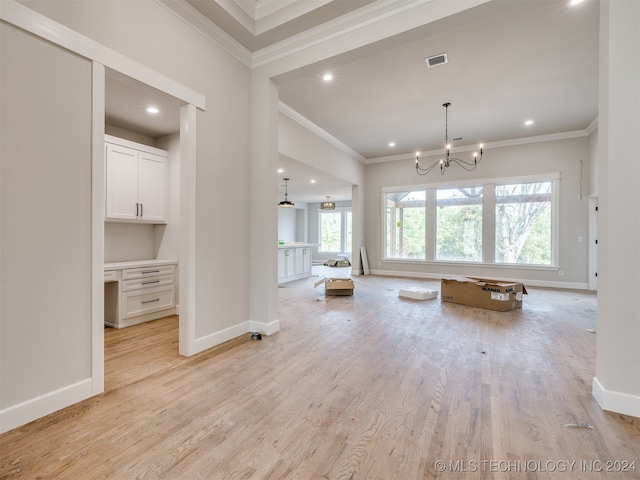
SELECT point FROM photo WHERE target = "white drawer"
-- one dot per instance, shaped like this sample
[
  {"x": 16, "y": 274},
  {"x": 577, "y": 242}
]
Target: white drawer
[
  {"x": 131, "y": 273},
  {"x": 147, "y": 283},
  {"x": 141, "y": 302},
  {"x": 110, "y": 276}
]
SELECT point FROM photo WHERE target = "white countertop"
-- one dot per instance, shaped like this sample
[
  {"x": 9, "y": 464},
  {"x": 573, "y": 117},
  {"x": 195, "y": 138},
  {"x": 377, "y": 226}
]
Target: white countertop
[
  {"x": 138, "y": 264},
  {"x": 297, "y": 245}
]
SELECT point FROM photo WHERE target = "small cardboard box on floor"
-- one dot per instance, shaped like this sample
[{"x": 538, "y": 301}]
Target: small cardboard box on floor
[
  {"x": 483, "y": 293},
  {"x": 336, "y": 286}
]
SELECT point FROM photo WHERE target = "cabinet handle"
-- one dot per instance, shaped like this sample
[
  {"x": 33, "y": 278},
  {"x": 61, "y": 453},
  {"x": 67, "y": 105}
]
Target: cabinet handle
[
  {"x": 150, "y": 281},
  {"x": 137, "y": 209},
  {"x": 150, "y": 271},
  {"x": 151, "y": 301},
  {"x": 141, "y": 207}
]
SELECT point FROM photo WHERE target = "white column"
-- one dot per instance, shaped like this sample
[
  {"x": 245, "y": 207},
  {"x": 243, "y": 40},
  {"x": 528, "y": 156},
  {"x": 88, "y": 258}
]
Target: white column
[
  {"x": 263, "y": 289},
  {"x": 616, "y": 386}
]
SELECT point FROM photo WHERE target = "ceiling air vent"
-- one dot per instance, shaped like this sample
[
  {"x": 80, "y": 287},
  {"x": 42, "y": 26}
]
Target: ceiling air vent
[{"x": 436, "y": 60}]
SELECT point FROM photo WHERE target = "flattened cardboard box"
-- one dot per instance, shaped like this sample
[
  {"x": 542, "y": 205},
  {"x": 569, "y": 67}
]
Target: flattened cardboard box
[
  {"x": 337, "y": 286},
  {"x": 483, "y": 293}
]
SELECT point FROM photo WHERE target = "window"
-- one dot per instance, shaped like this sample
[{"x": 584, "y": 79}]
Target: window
[
  {"x": 405, "y": 224},
  {"x": 502, "y": 221},
  {"x": 523, "y": 223},
  {"x": 459, "y": 224},
  {"x": 335, "y": 231}
]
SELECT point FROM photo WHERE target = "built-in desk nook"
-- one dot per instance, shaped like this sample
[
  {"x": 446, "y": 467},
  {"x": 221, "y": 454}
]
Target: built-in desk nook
[{"x": 139, "y": 291}]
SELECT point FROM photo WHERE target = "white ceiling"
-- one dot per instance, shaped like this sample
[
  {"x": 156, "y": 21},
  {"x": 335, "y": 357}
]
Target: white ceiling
[{"x": 509, "y": 61}]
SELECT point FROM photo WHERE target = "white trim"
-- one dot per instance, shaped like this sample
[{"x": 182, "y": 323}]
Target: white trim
[
  {"x": 50, "y": 402},
  {"x": 353, "y": 21},
  {"x": 613, "y": 401},
  {"x": 216, "y": 338},
  {"x": 552, "y": 137},
  {"x": 477, "y": 182},
  {"x": 209, "y": 30},
  {"x": 23, "y": 17},
  {"x": 592, "y": 127},
  {"x": 264, "y": 328},
  {"x": 312, "y": 127},
  {"x": 187, "y": 249},
  {"x": 526, "y": 281},
  {"x": 97, "y": 227}
]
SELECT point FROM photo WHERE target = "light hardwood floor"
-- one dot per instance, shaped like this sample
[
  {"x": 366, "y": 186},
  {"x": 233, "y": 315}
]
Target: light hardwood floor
[{"x": 365, "y": 387}]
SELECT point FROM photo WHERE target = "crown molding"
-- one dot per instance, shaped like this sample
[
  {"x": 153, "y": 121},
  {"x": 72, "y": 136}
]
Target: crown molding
[
  {"x": 592, "y": 127},
  {"x": 204, "y": 26},
  {"x": 499, "y": 144},
  {"x": 312, "y": 127},
  {"x": 350, "y": 22}
]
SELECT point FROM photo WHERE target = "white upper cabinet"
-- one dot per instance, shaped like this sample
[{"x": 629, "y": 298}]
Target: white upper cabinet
[{"x": 135, "y": 182}]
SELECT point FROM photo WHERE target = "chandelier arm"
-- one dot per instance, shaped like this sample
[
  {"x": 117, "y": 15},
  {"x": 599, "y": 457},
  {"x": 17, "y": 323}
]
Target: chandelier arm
[
  {"x": 468, "y": 166},
  {"x": 424, "y": 171}
]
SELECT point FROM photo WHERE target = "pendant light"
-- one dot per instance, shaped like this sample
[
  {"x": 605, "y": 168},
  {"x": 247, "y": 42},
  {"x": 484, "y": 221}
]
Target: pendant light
[
  {"x": 286, "y": 202},
  {"x": 328, "y": 205}
]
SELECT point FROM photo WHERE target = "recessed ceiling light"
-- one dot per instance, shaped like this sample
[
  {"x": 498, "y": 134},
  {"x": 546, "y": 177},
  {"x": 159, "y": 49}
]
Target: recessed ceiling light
[
  {"x": 327, "y": 77},
  {"x": 313, "y": 180},
  {"x": 280, "y": 170},
  {"x": 528, "y": 122},
  {"x": 153, "y": 110},
  {"x": 575, "y": 2},
  {"x": 392, "y": 144}
]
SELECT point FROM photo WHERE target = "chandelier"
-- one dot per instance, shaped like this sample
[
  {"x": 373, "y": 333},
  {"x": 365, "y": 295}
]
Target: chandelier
[
  {"x": 328, "y": 205},
  {"x": 448, "y": 160}
]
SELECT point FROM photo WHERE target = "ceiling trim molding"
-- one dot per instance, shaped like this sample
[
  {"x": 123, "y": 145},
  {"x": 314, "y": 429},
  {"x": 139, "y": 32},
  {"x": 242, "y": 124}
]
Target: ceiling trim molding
[
  {"x": 204, "y": 26},
  {"x": 272, "y": 16},
  {"x": 312, "y": 127},
  {"x": 350, "y": 22},
  {"x": 487, "y": 146},
  {"x": 592, "y": 127}
]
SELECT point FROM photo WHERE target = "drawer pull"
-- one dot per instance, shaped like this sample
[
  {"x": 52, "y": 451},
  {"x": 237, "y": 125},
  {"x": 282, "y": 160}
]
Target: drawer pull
[
  {"x": 151, "y": 301},
  {"x": 150, "y": 271},
  {"x": 150, "y": 281}
]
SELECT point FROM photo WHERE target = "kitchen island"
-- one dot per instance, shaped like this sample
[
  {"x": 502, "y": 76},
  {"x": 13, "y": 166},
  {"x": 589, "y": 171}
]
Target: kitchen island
[{"x": 294, "y": 261}]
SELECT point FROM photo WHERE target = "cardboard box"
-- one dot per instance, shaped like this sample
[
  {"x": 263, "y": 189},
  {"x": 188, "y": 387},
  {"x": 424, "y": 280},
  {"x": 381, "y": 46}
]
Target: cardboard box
[
  {"x": 336, "y": 286},
  {"x": 417, "y": 293},
  {"x": 483, "y": 293}
]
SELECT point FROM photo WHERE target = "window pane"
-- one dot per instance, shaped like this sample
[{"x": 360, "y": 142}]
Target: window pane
[
  {"x": 459, "y": 224},
  {"x": 523, "y": 223},
  {"x": 405, "y": 224},
  {"x": 330, "y": 231},
  {"x": 349, "y": 241}
]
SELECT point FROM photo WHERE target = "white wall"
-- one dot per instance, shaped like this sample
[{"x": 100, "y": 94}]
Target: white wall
[
  {"x": 222, "y": 132},
  {"x": 617, "y": 382},
  {"x": 138, "y": 31},
  {"x": 46, "y": 246},
  {"x": 287, "y": 224},
  {"x": 552, "y": 156}
]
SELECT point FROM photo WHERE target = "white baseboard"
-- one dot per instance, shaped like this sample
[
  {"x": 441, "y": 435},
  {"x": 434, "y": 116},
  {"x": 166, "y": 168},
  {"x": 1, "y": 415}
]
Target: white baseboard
[
  {"x": 235, "y": 331},
  {"x": 527, "y": 283},
  {"x": 208, "y": 341},
  {"x": 265, "y": 328},
  {"x": 617, "y": 402},
  {"x": 32, "y": 409}
]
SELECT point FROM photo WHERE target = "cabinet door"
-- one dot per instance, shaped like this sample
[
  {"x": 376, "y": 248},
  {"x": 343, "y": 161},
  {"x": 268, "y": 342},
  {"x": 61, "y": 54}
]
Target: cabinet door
[
  {"x": 282, "y": 263},
  {"x": 121, "y": 182},
  {"x": 152, "y": 182},
  {"x": 299, "y": 262}
]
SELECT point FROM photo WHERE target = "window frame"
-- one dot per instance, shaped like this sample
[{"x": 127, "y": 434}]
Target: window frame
[
  {"x": 344, "y": 227},
  {"x": 488, "y": 219}
]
